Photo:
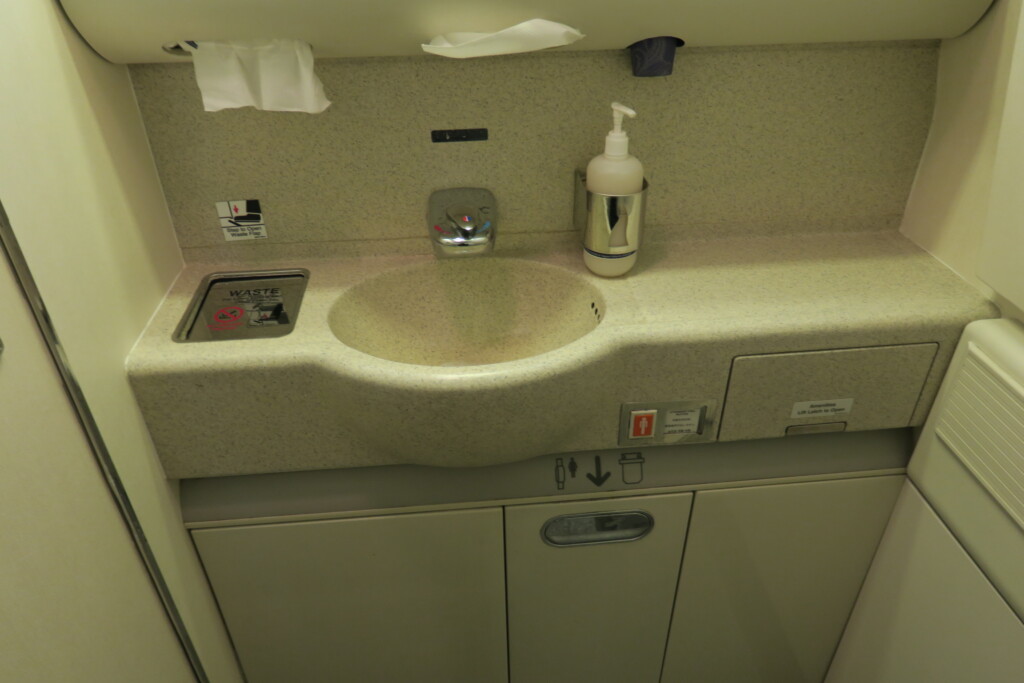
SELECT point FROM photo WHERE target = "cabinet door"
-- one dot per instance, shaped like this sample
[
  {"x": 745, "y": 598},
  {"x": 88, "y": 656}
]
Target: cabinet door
[
  {"x": 418, "y": 597},
  {"x": 592, "y": 613},
  {"x": 770, "y": 576},
  {"x": 927, "y": 613}
]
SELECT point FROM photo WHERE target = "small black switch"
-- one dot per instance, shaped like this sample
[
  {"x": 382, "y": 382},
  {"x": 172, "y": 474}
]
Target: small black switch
[{"x": 458, "y": 135}]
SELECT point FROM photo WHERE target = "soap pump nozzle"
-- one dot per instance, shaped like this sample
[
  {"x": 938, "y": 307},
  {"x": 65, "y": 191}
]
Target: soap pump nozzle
[{"x": 617, "y": 142}]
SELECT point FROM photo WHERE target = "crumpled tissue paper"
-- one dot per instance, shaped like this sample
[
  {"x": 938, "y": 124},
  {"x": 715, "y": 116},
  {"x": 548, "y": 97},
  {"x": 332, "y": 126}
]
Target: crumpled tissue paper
[
  {"x": 272, "y": 75},
  {"x": 535, "y": 34}
]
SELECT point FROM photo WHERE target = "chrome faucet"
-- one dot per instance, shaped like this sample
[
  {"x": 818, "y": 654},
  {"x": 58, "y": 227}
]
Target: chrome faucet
[{"x": 462, "y": 221}]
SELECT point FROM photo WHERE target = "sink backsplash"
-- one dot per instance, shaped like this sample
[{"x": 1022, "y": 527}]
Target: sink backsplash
[{"x": 758, "y": 140}]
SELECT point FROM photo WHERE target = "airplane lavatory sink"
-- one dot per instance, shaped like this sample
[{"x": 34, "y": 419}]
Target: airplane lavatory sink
[{"x": 463, "y": 312}]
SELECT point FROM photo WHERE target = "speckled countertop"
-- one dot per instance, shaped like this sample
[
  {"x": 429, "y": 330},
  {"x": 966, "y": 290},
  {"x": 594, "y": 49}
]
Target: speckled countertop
[{"x": 670, "y": 331}]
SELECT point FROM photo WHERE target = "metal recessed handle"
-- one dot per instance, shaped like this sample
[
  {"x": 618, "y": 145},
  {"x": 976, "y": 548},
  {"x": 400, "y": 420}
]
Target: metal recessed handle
[
  {"x": 597, "y": 527},
  {"x": 1, "y": 347}
]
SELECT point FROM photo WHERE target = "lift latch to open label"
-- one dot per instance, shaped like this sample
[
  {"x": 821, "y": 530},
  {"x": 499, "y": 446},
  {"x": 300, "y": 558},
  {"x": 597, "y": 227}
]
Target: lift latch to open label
[{"x": 835, "y": 407}]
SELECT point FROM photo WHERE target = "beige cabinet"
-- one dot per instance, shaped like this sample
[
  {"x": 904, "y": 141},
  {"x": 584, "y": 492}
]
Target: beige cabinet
[
  {"x": 583, "y": 604},
  {"x": 770, "y": 576},
  {"x": 417, "y": 597},
  {"x": 595, "y": 591}
]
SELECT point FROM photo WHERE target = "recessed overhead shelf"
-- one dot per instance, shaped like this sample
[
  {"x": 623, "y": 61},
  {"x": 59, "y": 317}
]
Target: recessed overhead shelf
[{"x": 136, "y": 31}]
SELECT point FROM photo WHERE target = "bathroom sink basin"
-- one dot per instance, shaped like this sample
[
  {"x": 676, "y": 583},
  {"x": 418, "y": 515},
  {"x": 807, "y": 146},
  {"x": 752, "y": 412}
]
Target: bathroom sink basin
[{"x": 466, "y": 312}]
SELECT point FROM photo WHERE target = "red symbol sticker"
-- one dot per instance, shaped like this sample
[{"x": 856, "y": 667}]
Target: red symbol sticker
[
  {"x": 642, "y": 423},
  {"x": 227, "y": 318}
]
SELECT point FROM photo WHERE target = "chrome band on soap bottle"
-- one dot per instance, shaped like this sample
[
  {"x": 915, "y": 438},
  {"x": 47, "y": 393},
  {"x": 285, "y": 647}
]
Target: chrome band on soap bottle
[{"x": 610, "y": 225}]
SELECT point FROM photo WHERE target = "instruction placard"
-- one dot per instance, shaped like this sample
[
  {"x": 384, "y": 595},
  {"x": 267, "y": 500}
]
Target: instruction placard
[
  {"x": 683, "y": 421},
  {"x": 237, "y": 305},
  {"x": 241, "y": 219},
  {"x": 826, "y": 408}
]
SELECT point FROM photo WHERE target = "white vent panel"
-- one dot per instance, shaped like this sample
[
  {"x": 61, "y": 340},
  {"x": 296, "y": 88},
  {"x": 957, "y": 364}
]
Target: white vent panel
[{"x": 983, "y": 423}]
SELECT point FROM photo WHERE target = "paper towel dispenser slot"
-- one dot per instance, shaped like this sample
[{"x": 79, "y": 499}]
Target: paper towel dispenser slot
[
  {"x": 178, "y": 50},
  {"x": 244, "y": 305},
  {"x": 135, "y": 31}
]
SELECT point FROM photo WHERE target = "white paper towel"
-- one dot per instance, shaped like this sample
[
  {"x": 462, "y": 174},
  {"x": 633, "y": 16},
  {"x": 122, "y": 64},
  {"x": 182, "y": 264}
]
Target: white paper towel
[
  {"x": 273, "y": 75},
  {"x": 535, "y": 34}
]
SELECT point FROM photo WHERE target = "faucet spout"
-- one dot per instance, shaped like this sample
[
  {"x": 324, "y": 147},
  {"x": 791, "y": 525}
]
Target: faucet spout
[{"x": 461, "y": 221}]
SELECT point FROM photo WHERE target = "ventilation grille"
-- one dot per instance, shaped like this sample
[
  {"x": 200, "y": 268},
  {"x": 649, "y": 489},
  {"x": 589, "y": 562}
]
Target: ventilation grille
[{"x": 983, "y": 423}]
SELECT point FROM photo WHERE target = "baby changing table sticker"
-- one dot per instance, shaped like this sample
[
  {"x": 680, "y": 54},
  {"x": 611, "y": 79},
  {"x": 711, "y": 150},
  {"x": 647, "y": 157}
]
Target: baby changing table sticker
[
  {"x": 241, "y": 219},
  {"x": 826, "y": 408},
  {"x": 256, "y": 307}
]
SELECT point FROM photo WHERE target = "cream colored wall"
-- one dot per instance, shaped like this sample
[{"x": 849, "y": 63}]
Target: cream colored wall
[
  {"x": 999, "y": 263},
  {"x": 751, "y": 141},
  {"x": 77, "y": 602},
  {"x": 81, "y": 191},
  {"x": 948, "y": 205}
]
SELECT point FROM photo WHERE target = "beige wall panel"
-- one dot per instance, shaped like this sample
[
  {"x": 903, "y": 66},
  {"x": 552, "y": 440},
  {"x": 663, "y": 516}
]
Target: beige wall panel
[
  {"x": 592, "y": 613},
  {"x": 770, "y": 576},
  {"x": 79, "y": 184},
  {"x": 927, "y": 614},
  {"x": 740, "y": 141},
  {"x": 948, "y": 205},
  {"x": 999, "y": 262},
  {"x": 416, "y": 597},
  {"x": 77, "y": 604}
]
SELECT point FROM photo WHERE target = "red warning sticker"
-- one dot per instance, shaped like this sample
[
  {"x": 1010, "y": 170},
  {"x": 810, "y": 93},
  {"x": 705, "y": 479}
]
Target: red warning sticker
[
  {"x": 227, "y": 318},
  {"x": 642, "y": 423}
]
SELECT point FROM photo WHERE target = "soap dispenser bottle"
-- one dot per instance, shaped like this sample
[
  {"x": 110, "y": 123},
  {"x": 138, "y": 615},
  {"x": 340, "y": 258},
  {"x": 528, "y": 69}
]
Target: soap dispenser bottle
[
  {"x": 615, "y": 186},
  {"x": 616, "y": 171}
]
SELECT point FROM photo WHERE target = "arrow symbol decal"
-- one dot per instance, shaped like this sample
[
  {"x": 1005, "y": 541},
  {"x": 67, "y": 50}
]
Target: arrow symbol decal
[{"x": 598, "y": 478}]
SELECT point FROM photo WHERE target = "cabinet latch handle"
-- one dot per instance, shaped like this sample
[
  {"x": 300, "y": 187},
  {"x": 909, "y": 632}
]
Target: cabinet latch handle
[{"x": 597, "y": 527}]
